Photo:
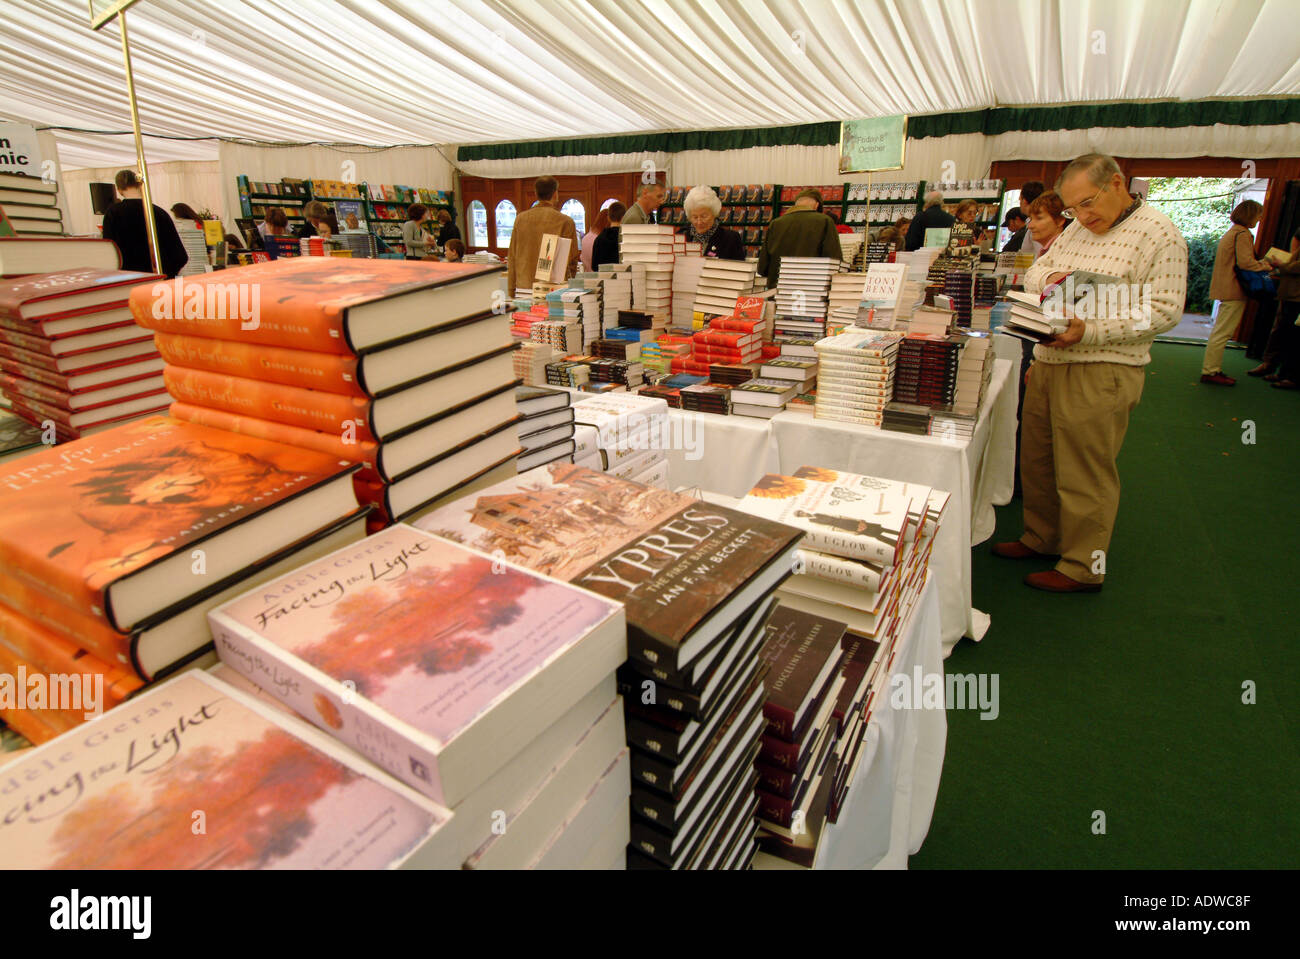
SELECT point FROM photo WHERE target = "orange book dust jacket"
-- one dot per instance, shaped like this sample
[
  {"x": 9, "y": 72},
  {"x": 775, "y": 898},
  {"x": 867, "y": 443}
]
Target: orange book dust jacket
[
  {"x": 127, "y": 791},
  {"x": 77, "y": 517},
  {"x": 309, "y": 369},
  {"x": 45, "y": 651},
  {"x": 299, "y": 302},
  {"x": 93, "y": 635},
  {"x": 342, "y": 416}
]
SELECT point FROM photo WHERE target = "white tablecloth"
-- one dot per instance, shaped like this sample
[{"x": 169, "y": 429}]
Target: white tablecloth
[
  {"x": 977, "y": 472},
  {"x": 887, "y": 813},
  {"x": 720, "y": 454}
]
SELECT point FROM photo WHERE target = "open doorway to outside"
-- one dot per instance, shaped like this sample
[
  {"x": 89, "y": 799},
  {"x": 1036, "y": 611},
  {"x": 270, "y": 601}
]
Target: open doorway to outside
[{"x": 1200, "y": 207}]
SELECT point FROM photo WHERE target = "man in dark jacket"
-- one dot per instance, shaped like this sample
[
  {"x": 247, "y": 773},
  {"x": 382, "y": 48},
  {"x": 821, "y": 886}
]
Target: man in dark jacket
[
  {"x": 801, "y": 232},
  {"x": 934, "y": 216},
  {"x": 1018, "y": 225}
]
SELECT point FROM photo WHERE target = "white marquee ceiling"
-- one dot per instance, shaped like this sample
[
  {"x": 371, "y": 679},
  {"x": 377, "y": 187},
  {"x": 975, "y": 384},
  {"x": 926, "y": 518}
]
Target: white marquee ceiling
[{"x": 472, "y": 71}]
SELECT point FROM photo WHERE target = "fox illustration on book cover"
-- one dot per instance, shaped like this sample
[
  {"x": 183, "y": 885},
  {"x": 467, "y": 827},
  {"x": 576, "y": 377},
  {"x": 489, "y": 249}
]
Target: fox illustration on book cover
[{"x": 78, "y": 517}]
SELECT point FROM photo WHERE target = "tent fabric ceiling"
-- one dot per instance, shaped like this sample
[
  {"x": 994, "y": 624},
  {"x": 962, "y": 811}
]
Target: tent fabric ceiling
[{"x": 476, "y": 71}]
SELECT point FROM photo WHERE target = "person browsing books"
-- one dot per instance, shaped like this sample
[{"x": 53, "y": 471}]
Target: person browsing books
[
  {"x": 1236, "y": 250},
  {"x": 649, "y": 198},
  {"x": 1288, "y": 314},
  {"x": 124, "y": 225},
  {"x": 447, "y": 230},
  {"x": 312, "y": 213},
  {"x": 604, "y": 249},
  {"x": 1087, "y": 379},
  {"x": 526, "y": 238},
  {"x": 1029, "y": 192},
  {"x": 933, "y": 216},
  {"x": 800, "y": 232},
  {"x": 1017, "y": 223},
  {"x": 414, "y": 235},
  {"x": 702, "y": 207},
  {"x": 1278, "y": 335},
  {"x": 589, "y": 238},
  {"x": 275, "y": 223}
]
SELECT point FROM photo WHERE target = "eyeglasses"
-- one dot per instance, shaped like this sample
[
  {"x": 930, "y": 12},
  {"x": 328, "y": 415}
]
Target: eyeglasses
[{"x": 1069, "y": 212}]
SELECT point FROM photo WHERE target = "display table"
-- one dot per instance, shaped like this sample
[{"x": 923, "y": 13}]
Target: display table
[
  {"x": 977, "y": 472},
  {"x": 886, "y": 815},
  {"x": 723, "y": 454}
]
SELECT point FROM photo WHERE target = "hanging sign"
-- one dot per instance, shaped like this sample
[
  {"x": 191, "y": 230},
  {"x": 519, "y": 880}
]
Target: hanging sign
[{"x": 873, "y": 143}]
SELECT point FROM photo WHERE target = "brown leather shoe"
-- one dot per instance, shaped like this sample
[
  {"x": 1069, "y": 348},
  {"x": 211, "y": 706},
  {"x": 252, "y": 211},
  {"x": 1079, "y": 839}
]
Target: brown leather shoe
[
  {"x": 1050, "y": 581},
  {"x": 1018, "y": 550}
]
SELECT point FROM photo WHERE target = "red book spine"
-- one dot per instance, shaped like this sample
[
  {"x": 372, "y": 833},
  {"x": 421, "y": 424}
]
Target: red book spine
[
  {"x": 778, "y": 753},
  {"x": 62, "y": 620},
  {"x": 45, "y": 344},
  {"x": 779, "y": 782},
  {"x": 45, "y": 651},
  {"x": 774, "y": 809},
  {"x": 732, "y": 324},
  {"x": 730, "y": 341},
  {"x": 307, "y": 369},
  {"x": 685, "y": 365},
  {"x": 780, "y": 721}
]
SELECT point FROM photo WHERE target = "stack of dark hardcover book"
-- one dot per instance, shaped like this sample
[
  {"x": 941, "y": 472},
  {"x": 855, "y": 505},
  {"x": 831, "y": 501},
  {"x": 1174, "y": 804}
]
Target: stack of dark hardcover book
[
  {"x": 927, "y": 369},
  {"x": 569, "y": 371},
  {"x": 696, "y": 581},
  {"x": 906, "y": 418},
  {"x": 803, "y": 688},
  {"x": 617, "y": 349},
  {"x": 707, "y": 398},
  {"x": 636, "y": 319},
  {"x": 546, "y": 430},
  {"x": 625, "y": 373},
  {"x": 730, "y": 373},
  {"x": 669, "y": 394},
  {"x": 957, "y": 286}
]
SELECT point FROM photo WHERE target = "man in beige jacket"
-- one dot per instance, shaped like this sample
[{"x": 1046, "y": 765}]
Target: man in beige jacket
[{"x": 526, "y": 237}]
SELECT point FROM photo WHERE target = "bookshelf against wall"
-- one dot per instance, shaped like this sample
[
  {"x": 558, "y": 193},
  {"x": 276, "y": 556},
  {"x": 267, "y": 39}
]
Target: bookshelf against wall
[
  {"x": 746, "y": 208},
  {"x": 380, "y": 208}
]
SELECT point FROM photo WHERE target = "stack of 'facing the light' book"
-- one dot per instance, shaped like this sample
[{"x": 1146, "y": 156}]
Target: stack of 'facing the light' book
[
  {"x": 400, "y": 366},
  {"x": 546, "y": 431},
  {"x": 72, "y": 355},
  {"x": 696, "y": 581},
  {"x": 114, "y": 547},
  {"x": 478, "y": 682}
]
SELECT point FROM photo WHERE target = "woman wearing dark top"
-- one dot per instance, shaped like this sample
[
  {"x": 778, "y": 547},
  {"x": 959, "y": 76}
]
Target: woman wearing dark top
[
  {"x": 702, "y": 207},
  {"x": 446, "y": 229},
  {"x": 124, "y": 225},
  {"x": 605, "y": 249}
]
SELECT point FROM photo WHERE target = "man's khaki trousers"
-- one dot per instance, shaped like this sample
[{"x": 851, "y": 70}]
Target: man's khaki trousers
[{"x": 1071, "y": 430}]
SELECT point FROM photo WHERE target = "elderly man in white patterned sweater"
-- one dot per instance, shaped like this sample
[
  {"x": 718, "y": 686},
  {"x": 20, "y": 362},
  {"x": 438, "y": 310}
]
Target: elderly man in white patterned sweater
[{"x": 1086, "y": 380}]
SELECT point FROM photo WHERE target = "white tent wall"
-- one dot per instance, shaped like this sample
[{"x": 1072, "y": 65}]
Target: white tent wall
[
  {"x": 197, "y": 183},
  {"x": 410, "y": 166}
]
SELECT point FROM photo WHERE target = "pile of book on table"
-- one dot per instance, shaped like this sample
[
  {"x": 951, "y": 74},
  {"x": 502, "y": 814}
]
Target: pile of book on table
[
  {"x": 545, "y": 431},
  {"x": 866, "y": 545},
  {"x": 463, "y": 710},
  {"x": 72, "y": 357},
  {"x": 653, "y": 248},
  {"x": 696, "y": 581},
  {"x": 803, "y": 295},
  {"x": 114, "y": 547},
  {"x": 624, "y": 435},
  {"x": 30, "y": 206},
  {"x": 855, "y": 375},
  {"x": 399, "y": 366}
]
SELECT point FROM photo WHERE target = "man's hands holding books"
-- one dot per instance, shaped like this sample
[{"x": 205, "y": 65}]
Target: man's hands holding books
[{"x": 1069, "y": 336}]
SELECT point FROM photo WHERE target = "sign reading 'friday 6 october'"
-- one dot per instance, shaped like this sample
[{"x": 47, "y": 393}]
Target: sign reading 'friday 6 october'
[
  {"x": 873, "y": 143},
  {"x": 19, "y": 151}
]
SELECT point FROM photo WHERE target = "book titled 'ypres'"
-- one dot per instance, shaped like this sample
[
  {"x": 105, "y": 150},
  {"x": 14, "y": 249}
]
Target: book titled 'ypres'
[{"x": 438, "y": 662}]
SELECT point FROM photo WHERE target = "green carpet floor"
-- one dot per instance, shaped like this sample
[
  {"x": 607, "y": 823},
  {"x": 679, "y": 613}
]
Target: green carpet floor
[{"x": 1130, "y": 701}]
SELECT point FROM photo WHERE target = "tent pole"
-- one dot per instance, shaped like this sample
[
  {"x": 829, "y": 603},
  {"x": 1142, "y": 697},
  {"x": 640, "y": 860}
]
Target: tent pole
[{"x": 150, "y": 226}]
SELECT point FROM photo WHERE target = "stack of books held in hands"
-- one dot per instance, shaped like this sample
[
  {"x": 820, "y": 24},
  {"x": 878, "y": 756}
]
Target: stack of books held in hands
[
  {"x": 803, "y": 295},
  {"x": 545, "y": 432},
  {"x": 623, "y": 434},
  {"x": 696, "y": 582},
  {"x": 1029, "y": 321},
  {"x": 73, "y": 360},
  {"x": 651, "y": 247},
  {"x": 866, "y": 547},
  {"x": 399, "y": 366},
  {"x": 855, "y": 375},
  {"x": 113, "y": 548},
  {"x": 482, "y": 684}
]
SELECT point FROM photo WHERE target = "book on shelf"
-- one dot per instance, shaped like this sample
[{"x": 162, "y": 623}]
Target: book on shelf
[
  {"x": 432, "y": 659},
  {"x": 276, "y": 793}
]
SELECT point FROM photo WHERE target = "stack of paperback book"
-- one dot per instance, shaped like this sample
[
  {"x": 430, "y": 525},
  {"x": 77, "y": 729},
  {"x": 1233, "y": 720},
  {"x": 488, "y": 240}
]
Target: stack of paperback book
[
  {"x": 855, "y": 375},
  {"x": 801, "y": 373},
  {"x": 959, "y": 287},
  {"x": 530, "y": 362},
  {"x": 113, "y": 548},
  {"x": 763, "y": 396},
  {"x": 696, "y": 581},
  {"x": 481, "y": 684},
  {"x": 956, "y": 421},
  {"x": 927, "y": 369},
  {"x": 866, "y": 548},
  {"x": 846, "y": 293},
  {"x": 276, "y": 793},
  {"x": 569, "y": 306},
  {"x": 651, "y": 247},
  {"x": 906, "y": 418},
  {"x": 721, "y": 283},
  {"x": 545, "y": 432},
  {"x": 802, "y": 295},
  {"x": 628, "y": 441},
  {"x": 72, "y": 357},
  {"x": 687, "y": 272},
  {"x": 399, "y": 366}
]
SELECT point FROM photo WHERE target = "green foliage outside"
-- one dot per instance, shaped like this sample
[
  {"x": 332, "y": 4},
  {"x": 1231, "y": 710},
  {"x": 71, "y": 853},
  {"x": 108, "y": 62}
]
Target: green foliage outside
[{"x": 1200, "y": 208}]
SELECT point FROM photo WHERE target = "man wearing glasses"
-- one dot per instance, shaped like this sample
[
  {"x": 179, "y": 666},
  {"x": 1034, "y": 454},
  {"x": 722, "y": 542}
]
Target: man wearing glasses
[{"x": 1086, "y": 380}]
